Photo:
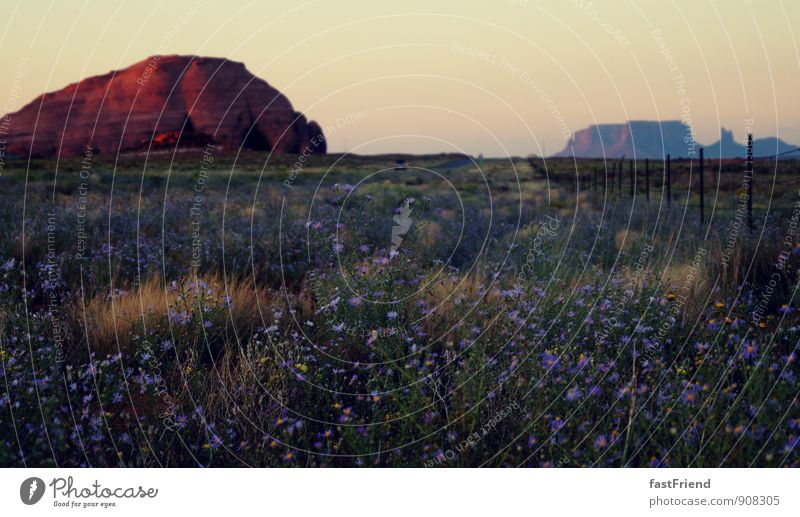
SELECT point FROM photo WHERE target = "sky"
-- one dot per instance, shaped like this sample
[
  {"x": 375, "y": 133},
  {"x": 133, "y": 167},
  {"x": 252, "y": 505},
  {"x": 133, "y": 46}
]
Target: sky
[{"x": 495, "y": 77}]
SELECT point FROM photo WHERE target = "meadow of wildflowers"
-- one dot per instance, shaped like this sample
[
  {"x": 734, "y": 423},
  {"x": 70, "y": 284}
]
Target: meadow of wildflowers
[{"x": 342, "y": 313}]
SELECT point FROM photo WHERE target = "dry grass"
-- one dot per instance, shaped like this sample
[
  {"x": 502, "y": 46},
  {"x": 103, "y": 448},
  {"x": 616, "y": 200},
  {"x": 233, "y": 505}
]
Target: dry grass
[
  {"x": 625, "y": 240},
  {"x": 110, "y": 322}
]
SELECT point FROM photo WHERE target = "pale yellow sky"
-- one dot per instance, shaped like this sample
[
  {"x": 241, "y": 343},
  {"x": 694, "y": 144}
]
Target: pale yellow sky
[{"x": 482, "y": 76}]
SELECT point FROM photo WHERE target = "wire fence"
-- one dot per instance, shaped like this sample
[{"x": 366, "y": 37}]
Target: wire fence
[{"x": 687, "y": 183}]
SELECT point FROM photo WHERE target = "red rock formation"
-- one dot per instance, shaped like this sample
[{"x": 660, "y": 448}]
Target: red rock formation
[{"x": 164, "y": 101}]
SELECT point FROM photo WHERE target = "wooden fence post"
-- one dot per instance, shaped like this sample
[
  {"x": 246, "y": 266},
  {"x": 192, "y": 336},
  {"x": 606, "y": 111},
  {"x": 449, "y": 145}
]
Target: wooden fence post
[
  {"x": 633, "y": 179},
  {"x": 647, "y": 179},
  {"x": 702, "y": 194},
  {"x": 621, "y": 164},
  {"x": 669, "y": 183},
  {"x": 613, "y": 176}
]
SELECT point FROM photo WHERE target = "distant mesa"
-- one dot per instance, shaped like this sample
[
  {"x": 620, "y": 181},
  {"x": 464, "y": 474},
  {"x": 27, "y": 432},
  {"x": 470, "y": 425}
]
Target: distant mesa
[
  {"x": 163, "y": 102},
  {"x": 656, "y": 139},
  {"x": 727, "y": 147},
  {"x": 639, "y": 138}
]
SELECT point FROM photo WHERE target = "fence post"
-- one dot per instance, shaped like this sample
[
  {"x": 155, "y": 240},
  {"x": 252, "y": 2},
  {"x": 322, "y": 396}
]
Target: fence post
[
  {"x": 702, "y": 194},
  {"x": 633, "y": 179},
  {"x": 669, "y": 183},
  {"x": 614, "y": 177},
  {"x": 748, "y": 165},
  {"x": 621, "y": 164},
  {"x": 647, "y": 179}
]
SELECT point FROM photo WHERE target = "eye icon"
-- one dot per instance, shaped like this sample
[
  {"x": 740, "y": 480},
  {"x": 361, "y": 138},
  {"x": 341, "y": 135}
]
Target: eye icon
[{"x": 31, "y": 490}]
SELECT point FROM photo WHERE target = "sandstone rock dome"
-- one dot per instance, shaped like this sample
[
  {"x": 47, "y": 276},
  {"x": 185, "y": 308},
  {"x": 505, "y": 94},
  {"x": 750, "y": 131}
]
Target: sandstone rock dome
[{"x": 163, "y": 101}]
